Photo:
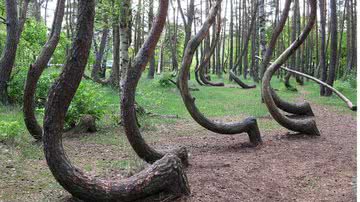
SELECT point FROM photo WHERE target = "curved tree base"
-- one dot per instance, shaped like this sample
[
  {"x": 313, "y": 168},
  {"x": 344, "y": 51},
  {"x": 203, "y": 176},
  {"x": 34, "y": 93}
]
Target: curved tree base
[
  {"x": 302, "y": 108},
  {"x": 249, "y": 125},
  {"x": 307, "y": 124},
  {"x": 165, "y": 175},
  {"x": 239, "y": 82},
  {"x": 197, "y": 77},
  {"x": 209, "y": 83}
]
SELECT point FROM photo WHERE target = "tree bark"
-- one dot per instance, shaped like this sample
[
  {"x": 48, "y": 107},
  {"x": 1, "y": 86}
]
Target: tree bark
[
  {"x": 125, "y": 38},
  {"x": 37, "y": 69},
  {"x": 323, "y": 65},
  {"x": 128, "y": 112},
  {"x": 151, "y": 72},
  {"x": 333, "y": 47},
  {"x": 115, "y": 69},
  {"x": 165, "y": 175},
  {"x": 262, "y": 23},
  {"x": 249, "y": 125},
  {"x": 208, "y": 54},
  {"x": 306, "y": 125},
  {"x": 14, "y": 28},
  {"x": 100, "y": 52}
]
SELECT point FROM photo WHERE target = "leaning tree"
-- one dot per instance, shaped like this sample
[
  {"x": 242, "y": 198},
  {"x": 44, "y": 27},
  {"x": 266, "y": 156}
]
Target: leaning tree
[
  {"x": 249, "y": 125},
  {"x": 305, "y": 124},
  {"x": 37, "y": 69},
  {"x": 165, "y": 175},
  {"x": 201, "y": 70},
  {"x": 128, "y": 111}
]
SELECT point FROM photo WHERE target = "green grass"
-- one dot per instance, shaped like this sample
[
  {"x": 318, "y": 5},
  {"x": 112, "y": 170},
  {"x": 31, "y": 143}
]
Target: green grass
[{"x": 212, "y": 102}]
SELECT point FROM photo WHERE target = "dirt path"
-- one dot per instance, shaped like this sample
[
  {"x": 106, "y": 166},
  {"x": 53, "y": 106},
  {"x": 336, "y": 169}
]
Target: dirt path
[
  {"x": 223, "y": 168},
  {"x": 287, "y": 167}
]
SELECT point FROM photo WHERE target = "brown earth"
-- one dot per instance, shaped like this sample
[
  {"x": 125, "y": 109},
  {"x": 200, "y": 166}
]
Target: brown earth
[{"x": 287, "y": 167}]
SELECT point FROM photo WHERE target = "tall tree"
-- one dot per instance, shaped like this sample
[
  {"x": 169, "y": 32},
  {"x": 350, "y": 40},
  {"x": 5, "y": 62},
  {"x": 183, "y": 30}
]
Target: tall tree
[
  {"x": 262, "y": 24},
  {"x": 14, "y": 28},
  {"x": 125, "y": 39},
  {"x": 152, "y": 58},
  {"x": 323, "y": 65},
  {"x": 37, "y": 69},
  {"x": 333, "y": 47}
]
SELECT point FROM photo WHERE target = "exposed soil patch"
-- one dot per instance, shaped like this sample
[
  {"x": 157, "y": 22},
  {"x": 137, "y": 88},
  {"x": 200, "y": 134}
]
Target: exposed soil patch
[
  {"x": 286, "y": 167},
  {"x": 222, "y": 168}
]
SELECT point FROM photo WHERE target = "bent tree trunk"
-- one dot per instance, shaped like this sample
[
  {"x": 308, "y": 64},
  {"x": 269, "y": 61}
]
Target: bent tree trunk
[
  {"x": 208, "y": 54},
  {"x": 37, "y": 69},
  {"x": 349, "y": 104},
  {"x": 128, "y": 112},
  {"x": 239, "y": 82},
  {"x": 165, "y": 175},
  {"x": 249, "y": 125},
  {"x": 307, "y": 124},
  {"x": 303, "y": 108}
]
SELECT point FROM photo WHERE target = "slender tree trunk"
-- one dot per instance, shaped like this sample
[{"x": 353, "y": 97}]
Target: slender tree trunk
[
  {"x": 152, "y": 58},
  {"x": 37, "y": 69},
  {"x": 115, "y": 69},
  {"x": 262, "y": 23},
  {"x": 14, "y": 28},
  {"x": 323, "y": 65},
  {"x": 125, "y": 38},
  {"x": 95, "y": 73},
  {"x": 333, "y": 47}
]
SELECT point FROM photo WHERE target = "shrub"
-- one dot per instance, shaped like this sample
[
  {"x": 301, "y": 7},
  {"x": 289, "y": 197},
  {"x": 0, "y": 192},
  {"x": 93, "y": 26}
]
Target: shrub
[
  {"x": 17, "y": 85},
  {"x": 86, "y": 100},
  {"x": 9, "y": 130},
  {"x": 164, "y": 80}
]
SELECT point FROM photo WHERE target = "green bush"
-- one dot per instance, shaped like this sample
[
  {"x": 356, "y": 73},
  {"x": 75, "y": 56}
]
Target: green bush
[
  {"x": 17, "y": 85},
  {"x": 9, "y": 130},
  {"x": 164, "y": 80},
  {"x": 86, "y": 100},
  {"x": 352, "y": 81}
]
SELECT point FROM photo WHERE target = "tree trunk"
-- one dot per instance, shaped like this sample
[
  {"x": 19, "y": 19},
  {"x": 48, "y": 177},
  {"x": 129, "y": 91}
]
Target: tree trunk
[
  {"x": 333, "y": 47},
  {"x": 262, "y": 23},
  {"x": 115, "y": 69},
  {"x": 306, "y": 125},
  {"x": 323, "y": 65},
  {"x": 14, "y": 28},
  {"x": 128, "y": 112},
  {"x": 208, "y": 54},
  {"x": 95, "y": 73},
  {"x": 249, "y": 125},
  {"x": 37, "y": 69},
  {"x": 152, "y": 58},
  {"x": 166, "y": 175},
  {"x": 125, "y": 38}
]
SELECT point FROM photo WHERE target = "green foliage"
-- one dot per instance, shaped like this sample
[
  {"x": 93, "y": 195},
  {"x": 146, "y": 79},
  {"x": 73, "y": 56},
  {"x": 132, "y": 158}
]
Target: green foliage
[
  {"x": 32, "y": 40},
  {"x": 17, "y": 85},
  {"x": 60, "y": 51},
  {"x": 9, "y": 130},
  {"x": 86, "y": 101},
  {"x": 164, "y": 80}
]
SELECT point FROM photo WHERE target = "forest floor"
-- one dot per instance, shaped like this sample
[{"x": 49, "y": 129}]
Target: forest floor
[{"x": 286, "y": 167}]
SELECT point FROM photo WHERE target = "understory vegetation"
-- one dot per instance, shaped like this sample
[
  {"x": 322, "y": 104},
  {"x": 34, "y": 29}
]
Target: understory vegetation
[{"x": 156, "y": 97}]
